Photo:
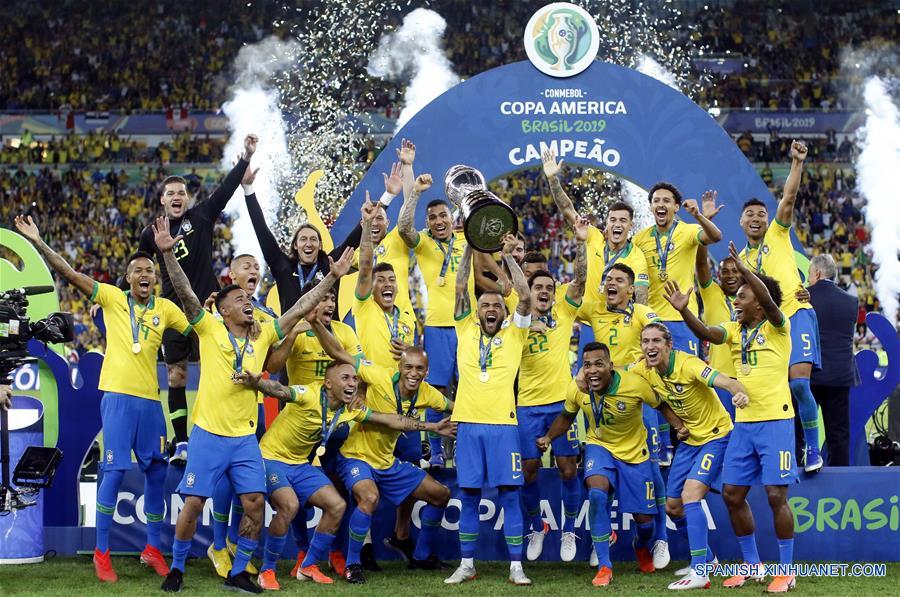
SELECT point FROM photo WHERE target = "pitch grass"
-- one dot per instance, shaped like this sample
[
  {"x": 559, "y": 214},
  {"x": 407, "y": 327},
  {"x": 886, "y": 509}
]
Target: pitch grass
[{"x": 74, "y": 577}]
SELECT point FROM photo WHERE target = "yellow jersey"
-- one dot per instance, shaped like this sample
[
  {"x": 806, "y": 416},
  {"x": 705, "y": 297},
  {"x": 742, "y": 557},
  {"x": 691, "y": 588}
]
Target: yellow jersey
[
  {"x": 298, "y": 428},
  {"x": 769, "y": 358},
  {"x": 621, "y": 332},
  {"x": 681, "y": 261},
  {"x": 599, "y": 255},
  {"x": 391, "y": 250},
  {"x": 307, "y": 362},
  {"x": 223, "y": 407},
  {"x": 123, "y": 371},
  {"x": 717, "y": 309},
  {"x": 618, "y": 424},
  {"x": 687, "y": 387},
  {"x": 431, "y": 255},
  {"x": 777, "y": 260},
  {"x": 375, "y": 329},
  {"x": 374, "y": 443},
  {"x": 261, "y": 314},
  {"x": 487, "y": 397},
  {"x": 545, "y": 371}
]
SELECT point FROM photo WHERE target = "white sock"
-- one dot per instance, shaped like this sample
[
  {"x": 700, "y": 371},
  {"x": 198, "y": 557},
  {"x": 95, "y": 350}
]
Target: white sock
[
  {"x": 515, "y": 565},
  {"x": 467, "y": 562}
]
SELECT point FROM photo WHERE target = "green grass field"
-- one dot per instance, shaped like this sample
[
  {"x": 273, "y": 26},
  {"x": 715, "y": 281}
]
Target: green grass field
[{"x": 75, "y": 577}]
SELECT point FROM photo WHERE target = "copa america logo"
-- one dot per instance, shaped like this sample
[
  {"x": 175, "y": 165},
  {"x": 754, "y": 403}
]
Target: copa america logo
[{"x": 561, "y": 39}]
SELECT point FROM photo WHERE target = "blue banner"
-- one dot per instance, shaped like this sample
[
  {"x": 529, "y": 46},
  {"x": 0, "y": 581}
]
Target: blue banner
[{"x": 810, "y": 123}]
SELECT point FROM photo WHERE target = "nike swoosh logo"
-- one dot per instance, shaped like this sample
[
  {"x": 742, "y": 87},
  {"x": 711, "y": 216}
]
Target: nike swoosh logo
[
  {"x": 783, "y": 475},
  {"x": 702, "y": 473},
  {"x": 517, "y": 476},
  {"x": 307, "y": 352}
]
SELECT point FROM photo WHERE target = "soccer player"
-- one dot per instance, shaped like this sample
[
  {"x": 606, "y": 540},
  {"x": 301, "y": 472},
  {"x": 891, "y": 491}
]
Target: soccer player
[
  {"x": 438, "y": 253},
  {"x": 223, "y": 440},
  {"x": 489, "y": 352},
  {"x": 543, "y": 377},
  {"x": 194, "y": 253},
  {"x": 131, "y": 412},
  {"x": 244, "y": 272},
  {"x": 603, "y": 251},
  {"x": 616, "y": 455},
  {"x": 769, "y": 251},
  {"x": 685, "y": 383},
  {"x": 313, "y": 412},
  {"x": 761, "y": 448}
]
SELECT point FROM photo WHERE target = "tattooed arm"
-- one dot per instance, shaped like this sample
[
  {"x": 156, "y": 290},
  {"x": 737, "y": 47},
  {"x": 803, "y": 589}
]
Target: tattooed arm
[
  {"x": 406, "y": 221},
  {"x": 190, "y": 304},
  {"x": 463, "y": 301},
  {"x": 27, "y": 228},
  {"x": 517, "y": 276},
  {"x": 575, "y": 291}
]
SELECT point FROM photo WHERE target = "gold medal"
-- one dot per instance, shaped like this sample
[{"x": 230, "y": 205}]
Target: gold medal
[
  {"x": 320, "y": 451},
  {"x": 663, "y": 276},
  {"x": 745, "y": 368},
  {"x": 136, "y": 347},
  {"x": 441, "y": 281},
  {"x": 484, "y": 376}
]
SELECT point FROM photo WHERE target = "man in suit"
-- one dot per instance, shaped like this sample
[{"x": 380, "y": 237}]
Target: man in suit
[{"x": 836, "y": 311}]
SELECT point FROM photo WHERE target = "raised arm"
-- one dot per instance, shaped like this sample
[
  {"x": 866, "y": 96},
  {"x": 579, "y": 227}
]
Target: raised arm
[
  {"x": 785, "y": 211},
  {"x": 552, "y": 170},
  {"x": 709, "y": 232},
  {"x": 463, "y": 301},
  {"x": 773, "y": 313},
  {"x": 27, "y": 228},
  {"x": 272, "y": 253},
  {"x": 516, "y": 275},
  {"x": 189, "y": 301},
  {"x": 704, "y": 272},
  {"x": 366, "y": 249},
  {"x": 330, "y": 343},
  {"x": 483, "y": 264},
  {"x": 279, "y": 355},
  {"x": 680, "y": 301},
  {"x": 217, "y": 201},
  {"x": 406, "y": 221},
  {"x": 308, "y": 301},
  {"x": 575, "y": 291},
  {"x": 407, "y": 155}
]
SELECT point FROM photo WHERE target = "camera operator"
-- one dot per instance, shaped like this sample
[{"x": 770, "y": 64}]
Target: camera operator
[{"x": 5, "y": 396}]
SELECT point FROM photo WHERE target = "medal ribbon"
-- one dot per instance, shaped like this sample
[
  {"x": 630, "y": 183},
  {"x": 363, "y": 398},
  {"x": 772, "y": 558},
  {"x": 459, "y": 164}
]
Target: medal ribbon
[
  {"x": 484, "y": 351},
  {"x": 312, "y": 274},
  {"x": 747, "y": 342},
  {"x": 394, "y": 328},
  {"x": 412, "y": 402},
  {"x": 597, "y": 410},
  {"x": 664, "y": 254},
  {"x": 448, "y": 253},
  {"x": 548, "y": 319},
  {"x": 238, "y": 355},
  {"x": 330, "y": 427},
  {"x": 759, "y": 256},
  {"x": 136, "y": 322},
  {"x": 627, "y": 312},
  {"x": 610, "y": 262},
  {"x": 730, "y": 308}
]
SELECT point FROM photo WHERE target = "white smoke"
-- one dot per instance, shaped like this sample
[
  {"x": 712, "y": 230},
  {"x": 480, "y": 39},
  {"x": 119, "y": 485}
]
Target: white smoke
[
  {"x": 254, "y": 108},
  {"x": 652, "y": 68},
  {"x": 414, "y": 53},
  {"x": 877, "y": 165}
]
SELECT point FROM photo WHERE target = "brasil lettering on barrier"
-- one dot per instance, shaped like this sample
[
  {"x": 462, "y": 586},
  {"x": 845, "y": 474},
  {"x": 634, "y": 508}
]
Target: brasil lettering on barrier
[
  {"x": 833, "y": 514},
  {"x": 566, "y": 147}
]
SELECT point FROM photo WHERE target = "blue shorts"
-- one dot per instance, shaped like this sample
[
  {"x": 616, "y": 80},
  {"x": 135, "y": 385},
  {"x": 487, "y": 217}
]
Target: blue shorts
[
  {"x": 725, "y": 399},
  {"x": 487, "y": 456},
  {"x": 305, "y": 479},
  {"x": 333, "y": 448},
  {"x": 211, "y": 456},
  {"x": 535, "y": 421},
  {"x": 440, "y": 344},
  {"x": 395, "y": 483},
  {"x": 700, "y": 463},
  {"x": 651, "y": 422},
  {"x": 131, "y": 423},
  {"x": 633, "y": 483},
  {"x": 409, "y": 447},
  {"x": 683, "y": 338},
  {"x": 805, "y": 338},
  {"x": 761, "y": 453}
]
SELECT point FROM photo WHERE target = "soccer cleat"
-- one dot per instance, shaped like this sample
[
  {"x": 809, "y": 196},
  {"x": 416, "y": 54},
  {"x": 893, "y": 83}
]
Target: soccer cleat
[
  {"x": 461, "y": 575},
  {"x": 661, "y": 557},
  {"x": 644, "y": 559},
  {"x": 517, "y": 575},
  {"x": 813, "y": 460},
  {"x": 430, "y": 563},
  {"x": 367, "y": 558},
  {"x": 300, "y": 557},
  {"x": 781, "y": 584},
  {"x": 594, "y": 561},
  {"x": 267, "y": 581},
  {"x": 232, "y": 549},
  {"x": 436, "y": 462},
  {"x": 740, "y": 581},
  {"x": 691, "y": 580},
  {"x": 404, "y": 547},
  {"x": 220, "y": 559},
  {"x": 603, "y": 577},
  {"x": 313, "y": 573},
  {"x": 354, "y": 574},
  {"x": 687, "y": 569},
  {"x": 174, "y": 581},
  {"x": 153, "y": 558},
  {"x": 337, "y": 562},
  {"x": 179, "y": 456},
  {"x": 242, "y": 583},
  {"x": 536, "y": 543},
  {"x": 567, "y": 547},
  {"x": 103, "y": 566}
]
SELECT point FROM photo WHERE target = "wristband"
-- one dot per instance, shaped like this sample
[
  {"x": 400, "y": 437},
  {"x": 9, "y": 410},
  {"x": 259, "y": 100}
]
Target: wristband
[
  {"x": 248, "y": 189},
  {"x": 386, "y": 198},
  {"x": 522, "y": 321}
]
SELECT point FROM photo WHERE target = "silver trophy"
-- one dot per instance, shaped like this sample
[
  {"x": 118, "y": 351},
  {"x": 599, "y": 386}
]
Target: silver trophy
[{"x": 486, "y": 219}]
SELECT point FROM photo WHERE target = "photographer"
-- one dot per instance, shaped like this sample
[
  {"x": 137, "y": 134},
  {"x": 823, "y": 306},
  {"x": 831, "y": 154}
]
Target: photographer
[{"x": 5, "y": 396}]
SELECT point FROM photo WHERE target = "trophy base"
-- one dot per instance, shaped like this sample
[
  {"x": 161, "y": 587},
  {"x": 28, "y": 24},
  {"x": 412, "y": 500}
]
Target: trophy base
[{"x": 487, "y": 221}]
